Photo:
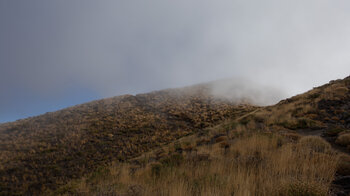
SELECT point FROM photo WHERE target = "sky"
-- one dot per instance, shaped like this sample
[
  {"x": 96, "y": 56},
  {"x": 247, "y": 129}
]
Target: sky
[{"x": 59, "y": 53}]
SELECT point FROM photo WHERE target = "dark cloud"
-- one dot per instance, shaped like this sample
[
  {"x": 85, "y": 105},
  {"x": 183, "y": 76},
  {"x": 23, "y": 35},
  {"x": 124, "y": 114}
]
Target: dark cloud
[{"x": 111, "y": 47}]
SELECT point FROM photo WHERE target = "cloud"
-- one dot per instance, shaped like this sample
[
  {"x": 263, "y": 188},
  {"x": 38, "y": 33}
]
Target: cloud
[
  {"x": 118, "y": 47},
  {"x": 241, "y": 89}
]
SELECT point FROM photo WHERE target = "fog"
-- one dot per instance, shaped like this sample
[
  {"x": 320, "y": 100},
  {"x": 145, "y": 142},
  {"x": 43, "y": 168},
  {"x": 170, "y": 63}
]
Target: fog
[
  {"x": 53, "y": 52},
  {"x": 240, "y": 90}
]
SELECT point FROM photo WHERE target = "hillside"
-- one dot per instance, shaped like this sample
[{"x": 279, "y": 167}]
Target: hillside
[
  {"x": 44, "y": 152},
  {"x": 299, "y": 146},
  {"x": 183, "y": 141}
]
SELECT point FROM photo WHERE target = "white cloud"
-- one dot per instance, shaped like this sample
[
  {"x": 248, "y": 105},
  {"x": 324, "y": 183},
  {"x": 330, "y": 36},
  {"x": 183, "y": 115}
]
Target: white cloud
[{"x": 117, "y": 47}]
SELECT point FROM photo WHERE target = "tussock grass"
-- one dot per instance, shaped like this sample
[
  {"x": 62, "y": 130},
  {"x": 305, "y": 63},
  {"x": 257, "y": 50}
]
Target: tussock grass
[
  {"x": 343, "y": 139},
  {"x": 315, "y": 143},
  {"x": 255, "y": 164}
]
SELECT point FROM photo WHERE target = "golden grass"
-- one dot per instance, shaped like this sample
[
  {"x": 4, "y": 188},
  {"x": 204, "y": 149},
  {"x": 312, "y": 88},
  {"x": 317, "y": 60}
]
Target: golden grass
[
  {"x": 259, "y": 164},
  {"x": 317, "y": 144}
]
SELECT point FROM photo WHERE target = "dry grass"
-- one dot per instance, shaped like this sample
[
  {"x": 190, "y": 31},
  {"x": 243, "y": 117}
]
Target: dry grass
[
  {"x": 343, "y": 139},
  {"x": 233, "y": 164},
  {"x": 253, "y": 165},
  {"x": 44, "y": 152},
  {"x": 335, "y": 91},
  {"x": 295, "y": 113},
  {"x": 317, "y": 144}
]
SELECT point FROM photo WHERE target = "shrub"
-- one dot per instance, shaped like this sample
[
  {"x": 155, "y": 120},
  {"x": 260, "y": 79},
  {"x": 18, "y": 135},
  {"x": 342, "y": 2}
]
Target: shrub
[
  {"x": 178, "y": 147},
  {"x": 259, "y": 119},
  {"x": 333, "y": 132},
  {"x": 315, "y": 143},
  {"x": 343, "y": 139},
  {"x": 299, "y": 124},
  {"x": 68, "y": 189},
  {"x": 244, "y": 121},
  {"x": 308, "y": 123},
  {"x": 155, "y": 169},
  {"x": 344, "y": 132},
  {"x": 335, "y": 118},
  {"x": 201, "y": 158},
  {"x": 343, "y": 167},
  {"x": 202, "y": 142},
  {"x": 302, "y": 123},
  {"x": 173, "y": 160},
  {"x": 340, "y": 91},
  {"x": 135, "y": 190},
  {"x": 301, "y": 189},
  {"x": 220, "y": 139},
  {"x": 230, "y": 126},
  {"x": 314, "y": 95},
  {"x": 188, "y": 148},
  {"x": 292, "y": 136}
]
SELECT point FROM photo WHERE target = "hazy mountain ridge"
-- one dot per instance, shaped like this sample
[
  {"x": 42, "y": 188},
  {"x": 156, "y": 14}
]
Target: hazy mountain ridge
[
  {"x": 45, "y": 151},
  {"x": 284, "y": 149}
]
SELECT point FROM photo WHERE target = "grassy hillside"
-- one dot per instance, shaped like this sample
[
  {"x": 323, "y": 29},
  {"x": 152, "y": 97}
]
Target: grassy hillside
[
  {"x": 299, "y": 146},
  {"x": 45, "y": 152},
  {"x": 183, "y": 142},
  {"x": 248, "y": 164}
]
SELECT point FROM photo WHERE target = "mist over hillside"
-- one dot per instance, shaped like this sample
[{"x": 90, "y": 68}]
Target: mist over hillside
[{"x": 237, "y": 89}]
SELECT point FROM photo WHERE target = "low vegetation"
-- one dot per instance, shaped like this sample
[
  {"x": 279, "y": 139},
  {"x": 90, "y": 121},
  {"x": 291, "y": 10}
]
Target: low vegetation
[
  {"x": 343, "y": 140},
  {"x": 253, "y": 164},
  {"x": 45, "y": 152}
]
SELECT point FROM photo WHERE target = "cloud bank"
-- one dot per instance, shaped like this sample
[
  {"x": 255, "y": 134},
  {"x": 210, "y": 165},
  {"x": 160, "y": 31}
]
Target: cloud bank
[
  {"x": 116, "y": 47},
  {"x": 241, "y": 90}
]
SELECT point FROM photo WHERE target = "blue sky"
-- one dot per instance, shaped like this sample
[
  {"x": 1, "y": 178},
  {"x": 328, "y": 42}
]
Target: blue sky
[{"x": 59, "y": 53}]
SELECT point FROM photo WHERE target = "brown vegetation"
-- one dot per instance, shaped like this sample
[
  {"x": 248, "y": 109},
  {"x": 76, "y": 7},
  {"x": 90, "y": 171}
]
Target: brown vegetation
[
  {"x": 344, "y": 165},
  {"x": 45, "y": 152},
  {"x": 41, "y": 154},
  {"x": 343, "y": 139},
  {"x": 255, "y": 165}
]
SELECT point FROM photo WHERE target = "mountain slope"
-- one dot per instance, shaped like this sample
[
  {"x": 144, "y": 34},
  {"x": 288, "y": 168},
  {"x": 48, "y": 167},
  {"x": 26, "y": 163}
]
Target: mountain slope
[
  {"x": 46, "y": 151},
  {"x": 43, "y": 153},
  {"x": 274, "y": 150}
]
